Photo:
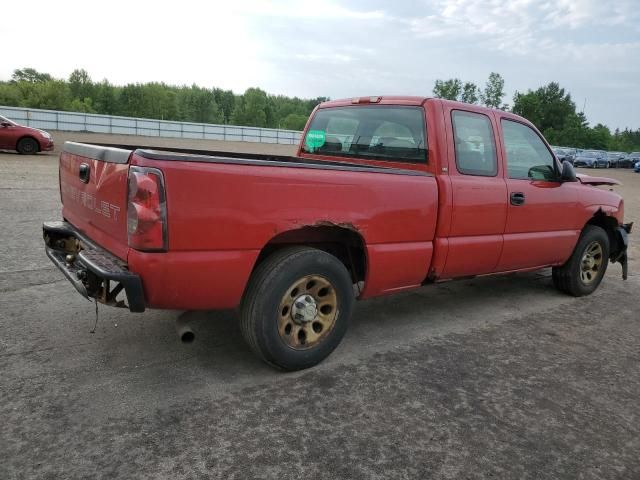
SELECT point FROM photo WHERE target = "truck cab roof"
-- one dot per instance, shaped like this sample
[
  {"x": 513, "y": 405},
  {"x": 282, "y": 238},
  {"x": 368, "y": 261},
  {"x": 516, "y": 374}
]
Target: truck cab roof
[
  {"x": 415, "y": 101},
  {"x": 375, "y": 99}
]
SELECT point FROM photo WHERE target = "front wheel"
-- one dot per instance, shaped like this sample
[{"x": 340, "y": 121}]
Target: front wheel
[
  {"x": 27, "y": 146},
  {"x": 297, "y": 307},
  {"x": 583, "y": 272}
]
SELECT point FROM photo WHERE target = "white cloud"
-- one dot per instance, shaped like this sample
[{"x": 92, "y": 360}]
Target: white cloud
[
  {"x": 328, "y": 58},
  {"x": 341, "y": 48},
  {"x": 319, "y": 9},
  {"x": 520, "y": 26},
  {"x": 582, "y": 13},
  {"x": 127, "y": 41}
]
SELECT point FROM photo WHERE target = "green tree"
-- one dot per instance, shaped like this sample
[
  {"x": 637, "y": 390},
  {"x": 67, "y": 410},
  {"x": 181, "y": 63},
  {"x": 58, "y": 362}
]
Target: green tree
[
  {"x": 105, "y": 98},
  {"x": 305, "y": 107},
  {"x": 625, "y": 141},
  {"x": 85, "y": 105},
  {"x": 80, "y": 84},
  {"x": 449, "y": 89},
  {"x": 553, "y": 111},
  {"x": 10, "y": 95},
  {"x": 52, "y": 95},
  {"x": 251, "y": 109},
  {"x": 30, "y": 75},
  {"x": 159, "y": 101},
  {"x": 455, "y": 89},
  {"x": 226, "y": 101},
  {"x": 131, "y": 101},
  {"x": 30, "y": 88},
  {"x": 599, "y": 137},
  {"x": 547, "y": 107},
  {"x": 293, "y": 121},
  {"x": 470, "y": 93},
  {"x": 493, "y": 92},
  {"x": 198, "y": 105}
]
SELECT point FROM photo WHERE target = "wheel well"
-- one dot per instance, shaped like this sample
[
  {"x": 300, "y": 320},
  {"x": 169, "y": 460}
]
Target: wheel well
[
  {"x": 609, "y": 224},
  {"x": 28, "y": 136},
  {"x": 342, "y": 242}
]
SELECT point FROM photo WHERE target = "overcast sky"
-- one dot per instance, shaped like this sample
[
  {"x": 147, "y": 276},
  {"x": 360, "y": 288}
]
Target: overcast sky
[{"x": 340, "y": 49}]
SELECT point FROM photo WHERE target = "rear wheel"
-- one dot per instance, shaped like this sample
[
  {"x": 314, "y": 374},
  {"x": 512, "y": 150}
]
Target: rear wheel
[
  {"x": 27, "y": 146},
  {"x": 297, "y": 307},
  {"x": 583, "y": 272}
]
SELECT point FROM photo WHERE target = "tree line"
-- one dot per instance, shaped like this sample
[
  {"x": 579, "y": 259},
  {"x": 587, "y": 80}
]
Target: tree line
[
  {"x": 79, "y": 93},
  {"x": 550, "y": 108}
]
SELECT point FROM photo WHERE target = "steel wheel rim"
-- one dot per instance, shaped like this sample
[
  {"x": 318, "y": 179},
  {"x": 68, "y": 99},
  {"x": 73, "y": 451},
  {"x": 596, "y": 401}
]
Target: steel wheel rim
[
  {"x": 308, "y": 312},
  {"x": 591, "y": 262}
]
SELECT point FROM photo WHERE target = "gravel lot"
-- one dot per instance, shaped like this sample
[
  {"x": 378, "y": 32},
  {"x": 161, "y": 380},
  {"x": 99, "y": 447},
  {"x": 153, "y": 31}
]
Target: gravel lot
[{"x": 495, "y": 377}]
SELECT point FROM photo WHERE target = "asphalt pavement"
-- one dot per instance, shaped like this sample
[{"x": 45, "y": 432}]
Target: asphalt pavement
[{"x": 499, "y": 377}]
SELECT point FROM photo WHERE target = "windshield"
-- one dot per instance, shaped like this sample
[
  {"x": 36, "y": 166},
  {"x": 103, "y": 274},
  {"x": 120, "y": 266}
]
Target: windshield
[
  {"x": 591, "y": 154},
  {"x": 375, "y": 132},
  {"x": 5, "y": 119}
]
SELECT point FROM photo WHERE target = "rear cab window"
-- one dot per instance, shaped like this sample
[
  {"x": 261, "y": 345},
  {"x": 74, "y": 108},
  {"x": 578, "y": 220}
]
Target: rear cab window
[{"x": 391, "y": 133}]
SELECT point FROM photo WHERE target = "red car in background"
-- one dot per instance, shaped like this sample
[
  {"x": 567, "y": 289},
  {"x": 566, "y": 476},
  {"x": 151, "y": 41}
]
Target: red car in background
[{"x": 25, "y": 140}]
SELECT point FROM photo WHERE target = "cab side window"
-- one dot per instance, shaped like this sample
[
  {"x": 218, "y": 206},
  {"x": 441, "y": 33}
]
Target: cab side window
[
  {"x": 475, "y": 145},
  {"x": 527, "y": 156}
]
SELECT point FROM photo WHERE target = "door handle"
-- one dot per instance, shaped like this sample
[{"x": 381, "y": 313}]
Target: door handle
[
  {"x": 84, "y": 172},
  {"x": 517, "y": 198}
]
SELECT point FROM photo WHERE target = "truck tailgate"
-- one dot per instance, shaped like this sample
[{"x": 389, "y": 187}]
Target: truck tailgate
[{"x": 93, "y": 188}]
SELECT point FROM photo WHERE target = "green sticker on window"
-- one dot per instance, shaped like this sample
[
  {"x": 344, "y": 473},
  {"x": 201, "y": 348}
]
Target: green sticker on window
[{"x": 315, "y": 139}]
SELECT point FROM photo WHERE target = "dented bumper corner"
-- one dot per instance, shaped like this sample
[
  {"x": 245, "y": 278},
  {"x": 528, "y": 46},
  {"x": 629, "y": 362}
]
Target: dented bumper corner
[{"x": 90, "y": 269}]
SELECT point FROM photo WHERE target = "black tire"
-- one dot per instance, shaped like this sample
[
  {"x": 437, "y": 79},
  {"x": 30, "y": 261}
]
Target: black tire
[
  {"x": 270, "y": 283},
  {"x": 569, "y": 277},
  {"x": 27, "y": 146}
]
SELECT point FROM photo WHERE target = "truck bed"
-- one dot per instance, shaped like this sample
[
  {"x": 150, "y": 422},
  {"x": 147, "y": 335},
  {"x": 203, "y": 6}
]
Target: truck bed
[
  {"x": 225, "y": 208},
  {"x": 244, "y": 158}
]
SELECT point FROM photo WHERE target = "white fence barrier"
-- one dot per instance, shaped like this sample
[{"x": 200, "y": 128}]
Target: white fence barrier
[{"x": 89, "y": 122}]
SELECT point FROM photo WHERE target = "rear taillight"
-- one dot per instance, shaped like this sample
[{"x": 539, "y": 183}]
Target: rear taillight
[{"x": 147, "y": 210}]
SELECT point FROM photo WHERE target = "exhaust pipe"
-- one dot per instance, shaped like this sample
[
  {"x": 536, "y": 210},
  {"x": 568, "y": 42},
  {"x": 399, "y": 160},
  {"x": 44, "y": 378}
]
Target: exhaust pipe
[{"x": 185, "y": 334}]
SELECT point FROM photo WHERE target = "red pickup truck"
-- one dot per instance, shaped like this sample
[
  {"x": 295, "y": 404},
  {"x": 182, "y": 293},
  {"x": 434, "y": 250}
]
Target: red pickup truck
[{"x": 385, "y": 194}]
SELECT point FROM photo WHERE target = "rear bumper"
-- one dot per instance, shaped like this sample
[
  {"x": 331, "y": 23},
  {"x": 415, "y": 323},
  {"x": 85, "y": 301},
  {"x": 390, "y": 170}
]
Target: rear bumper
[{"x": 91, "y": 269}]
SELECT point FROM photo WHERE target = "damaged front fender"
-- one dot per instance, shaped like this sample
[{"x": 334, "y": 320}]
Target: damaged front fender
[{"x": 620, "y": 253}]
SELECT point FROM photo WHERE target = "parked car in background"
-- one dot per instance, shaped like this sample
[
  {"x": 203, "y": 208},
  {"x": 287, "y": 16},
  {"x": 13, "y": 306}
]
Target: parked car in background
[
  {"x": 564, "y": 153},
  {"x": 615, "y": 158},
  {"x": 591, "y": 159},
  {"x": 25, "y": 140},
  {"x": 637, "y": 167},
  {"x": 630, "y": 160}
]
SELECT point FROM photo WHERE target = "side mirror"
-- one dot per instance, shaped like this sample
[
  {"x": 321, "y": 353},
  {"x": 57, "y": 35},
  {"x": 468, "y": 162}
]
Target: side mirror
[
  {"x": 5, "y": 124},
  {"x": 568, "y": 173}
]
